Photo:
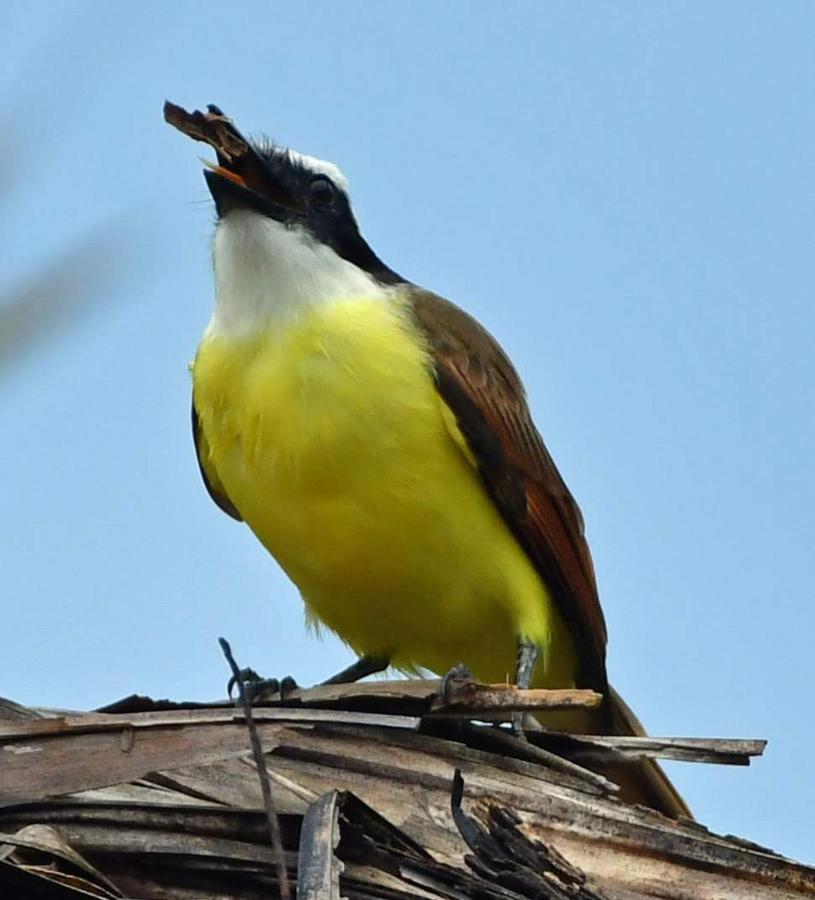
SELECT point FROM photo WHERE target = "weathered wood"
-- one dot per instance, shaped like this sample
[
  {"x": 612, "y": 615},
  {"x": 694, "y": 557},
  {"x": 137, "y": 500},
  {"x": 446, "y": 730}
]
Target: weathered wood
[
  {"x": 463, "y": 697},
  {"x": 35, "y": 768},
  {"x": 166, "y": 804},
  {"x": 48, "y": 842},
  {"x": 96, "y": 723},
  {"x": 413, "y": 695},
  {"x": 530, "y": 868},
  {"x": 9, "y": 710},
  {"x": 318, "y": 869},
  {"x": 509, "y": 754},
  {"x": 20, "y": 882},
  {"x": 722, "y": 751},
  {"x": 503, "y": 742},
  {"x": 469, "y": 698}
]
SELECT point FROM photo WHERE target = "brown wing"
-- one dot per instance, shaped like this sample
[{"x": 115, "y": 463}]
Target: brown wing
[
  {"x": 479, "y": 384},
  {"x": 211, "y": 481}
]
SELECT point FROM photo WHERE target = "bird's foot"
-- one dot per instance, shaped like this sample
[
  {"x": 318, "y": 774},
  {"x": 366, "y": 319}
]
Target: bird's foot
[
  {"x": 259, "y": 688},
  {"x": 458, "y": 673}
]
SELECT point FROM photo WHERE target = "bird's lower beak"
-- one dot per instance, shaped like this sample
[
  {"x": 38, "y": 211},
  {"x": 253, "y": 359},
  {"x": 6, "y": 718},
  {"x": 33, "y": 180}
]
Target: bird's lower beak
[
  {"x": 252, "y": 187},
  {"x": 241, "y": 179}
]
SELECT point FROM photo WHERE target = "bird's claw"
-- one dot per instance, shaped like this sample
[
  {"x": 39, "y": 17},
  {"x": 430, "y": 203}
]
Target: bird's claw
[
  {"x": 256, "y": 686},
  {"x": 459, "y": 672}
]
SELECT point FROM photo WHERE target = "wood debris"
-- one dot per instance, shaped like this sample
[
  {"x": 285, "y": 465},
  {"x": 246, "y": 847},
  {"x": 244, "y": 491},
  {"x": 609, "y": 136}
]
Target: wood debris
[
  {"x": 211, "y": 127},
  {"x": 379, "y": 794}
]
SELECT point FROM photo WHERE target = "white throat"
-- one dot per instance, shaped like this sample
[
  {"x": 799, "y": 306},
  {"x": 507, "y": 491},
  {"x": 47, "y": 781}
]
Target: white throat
[{"x": 267, "y": 274}]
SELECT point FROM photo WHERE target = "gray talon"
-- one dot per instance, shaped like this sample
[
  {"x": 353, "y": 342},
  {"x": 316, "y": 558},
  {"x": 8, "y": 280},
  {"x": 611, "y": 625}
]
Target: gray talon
[{"x": 459, "y": 672}]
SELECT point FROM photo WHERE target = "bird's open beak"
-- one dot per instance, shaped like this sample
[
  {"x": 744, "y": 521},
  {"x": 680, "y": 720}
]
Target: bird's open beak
[{"x": 240, "y": 179}]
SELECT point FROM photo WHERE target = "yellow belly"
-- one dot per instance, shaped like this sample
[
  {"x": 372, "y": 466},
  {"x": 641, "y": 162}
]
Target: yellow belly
[{"x": 330, "y": 439}]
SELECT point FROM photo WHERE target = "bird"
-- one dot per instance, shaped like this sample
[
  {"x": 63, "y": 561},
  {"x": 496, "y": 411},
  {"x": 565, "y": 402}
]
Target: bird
[{"x": 378, "y": 442}]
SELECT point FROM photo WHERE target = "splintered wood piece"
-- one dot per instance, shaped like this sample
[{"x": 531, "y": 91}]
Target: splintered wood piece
[
  {"x": 593, "y": 747},
  {"x": 467, "y": 697},
  {"x": 49, "y": 843},
  {"x": 102, "y": 722},
  {"x": 211, "y": 127},
  {"x": 411, "y": 696},
  {"x": 464, "y": 697},
  {"x": 318, "y": 869},
  {"x": 498, "y": 843}
]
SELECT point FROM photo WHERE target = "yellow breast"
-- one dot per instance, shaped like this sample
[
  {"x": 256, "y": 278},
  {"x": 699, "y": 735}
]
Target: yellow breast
[{"x": 329, "y": 437}]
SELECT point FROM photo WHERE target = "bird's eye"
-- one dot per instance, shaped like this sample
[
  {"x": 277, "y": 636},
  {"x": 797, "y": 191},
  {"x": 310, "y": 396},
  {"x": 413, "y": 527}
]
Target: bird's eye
[{"x": 322, "y": 191}]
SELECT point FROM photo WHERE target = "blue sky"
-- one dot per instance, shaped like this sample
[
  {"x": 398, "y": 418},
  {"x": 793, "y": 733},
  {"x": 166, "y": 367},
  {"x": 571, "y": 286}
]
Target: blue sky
[{"x": 623, "y": 193}]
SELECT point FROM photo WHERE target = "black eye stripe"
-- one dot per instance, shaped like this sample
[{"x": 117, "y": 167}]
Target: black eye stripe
[{"x": 324, "y": 209}]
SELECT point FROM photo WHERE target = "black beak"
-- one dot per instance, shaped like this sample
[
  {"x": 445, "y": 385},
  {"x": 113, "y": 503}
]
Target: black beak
[
  {"x": 242, "y": 179},
  {"x": 230, "y": 192}
]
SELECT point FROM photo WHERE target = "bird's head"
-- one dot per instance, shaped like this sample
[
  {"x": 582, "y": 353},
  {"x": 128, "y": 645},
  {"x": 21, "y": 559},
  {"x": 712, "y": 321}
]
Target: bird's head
[{"x": 280, "y": 212}]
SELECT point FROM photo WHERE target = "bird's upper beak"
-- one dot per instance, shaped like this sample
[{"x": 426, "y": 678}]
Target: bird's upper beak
[{"x": 241, "y": 179}]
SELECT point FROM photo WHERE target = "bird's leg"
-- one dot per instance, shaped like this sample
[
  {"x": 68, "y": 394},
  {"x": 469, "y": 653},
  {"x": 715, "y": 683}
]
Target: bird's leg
[
  {"x": 369, "y": 664},
  {"x": 528, "y": 655}
]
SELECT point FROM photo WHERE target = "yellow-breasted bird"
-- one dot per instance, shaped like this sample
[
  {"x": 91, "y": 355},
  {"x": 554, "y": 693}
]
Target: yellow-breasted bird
[{"x": 378, "y": 442}]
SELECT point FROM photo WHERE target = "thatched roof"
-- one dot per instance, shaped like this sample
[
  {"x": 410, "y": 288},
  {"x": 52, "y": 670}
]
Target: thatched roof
[{"x": 160, "y": 800}]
